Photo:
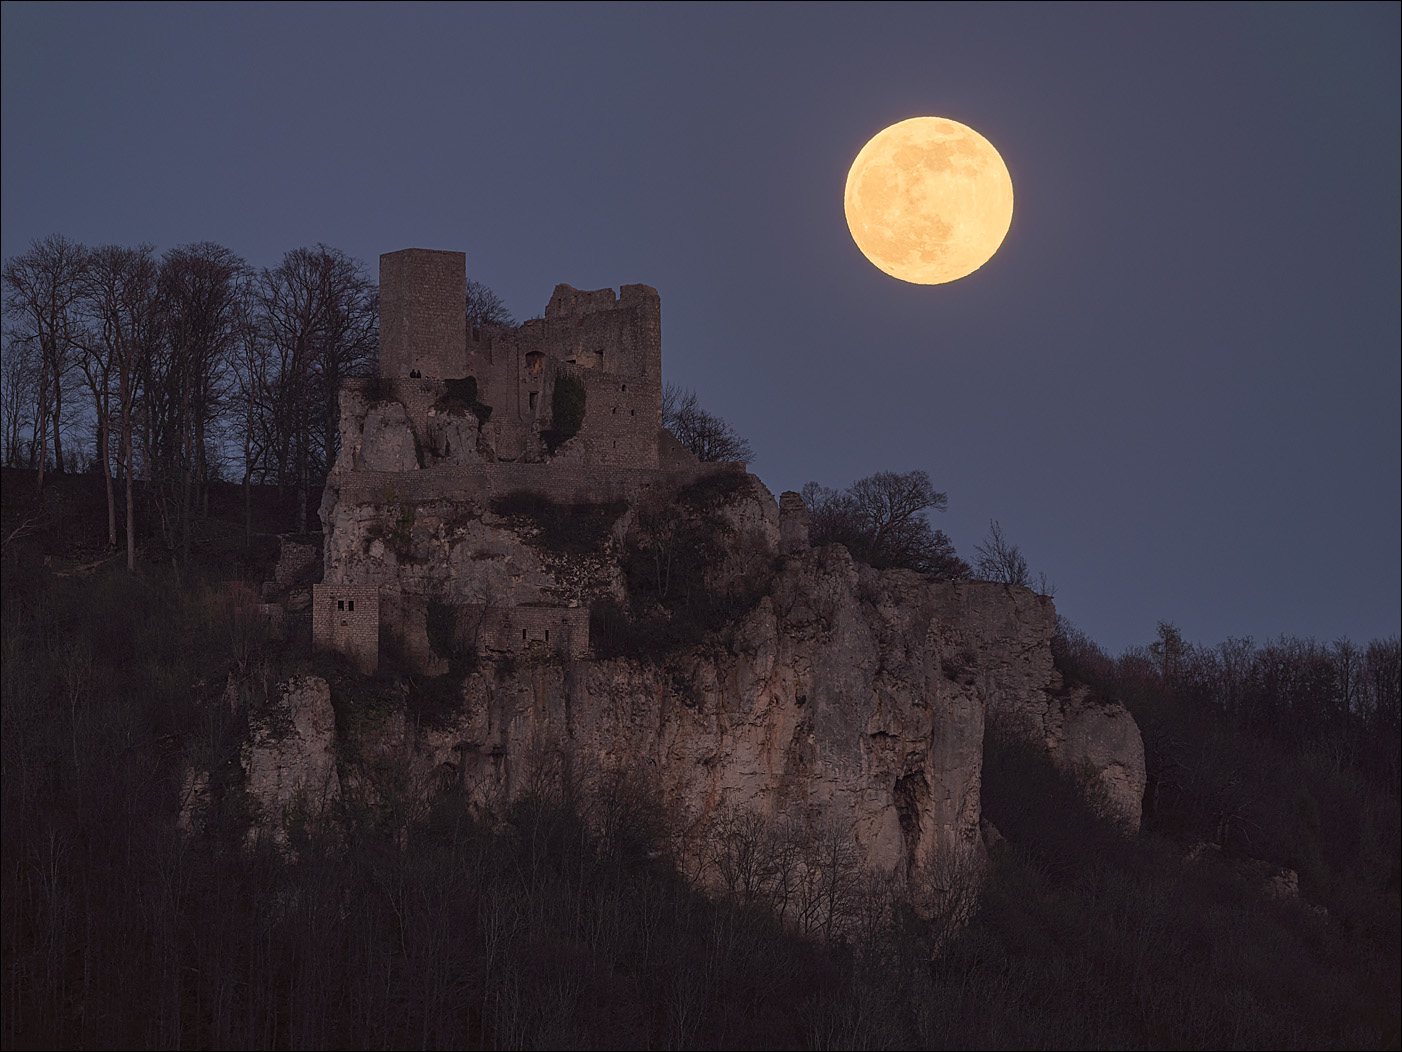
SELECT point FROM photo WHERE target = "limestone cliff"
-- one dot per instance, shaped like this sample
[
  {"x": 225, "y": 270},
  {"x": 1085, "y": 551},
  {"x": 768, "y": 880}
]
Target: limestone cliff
[
  {"x": 845, "y": 697},
  {"x": 726, "y": 666}
]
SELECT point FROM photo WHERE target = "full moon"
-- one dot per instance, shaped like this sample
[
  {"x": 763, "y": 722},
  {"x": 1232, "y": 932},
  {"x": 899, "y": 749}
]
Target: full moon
[{"x": 929, "y": 200}]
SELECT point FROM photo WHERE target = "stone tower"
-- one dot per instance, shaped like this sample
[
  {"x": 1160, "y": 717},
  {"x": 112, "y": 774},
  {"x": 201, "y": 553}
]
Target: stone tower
[{"x": 423, "y": 313}]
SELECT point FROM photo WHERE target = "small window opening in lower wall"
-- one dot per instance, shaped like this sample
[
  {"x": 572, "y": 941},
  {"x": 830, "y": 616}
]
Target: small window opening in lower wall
[
  {"x": 523, "y": 635},
  {"x": 547, "y": 635},
  {"x": 340, "y": 604},
  {"x": 350, "y": 604}
]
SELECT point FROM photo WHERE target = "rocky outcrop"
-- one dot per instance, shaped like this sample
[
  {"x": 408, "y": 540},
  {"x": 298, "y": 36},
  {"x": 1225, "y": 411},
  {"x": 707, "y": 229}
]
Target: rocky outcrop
[
  {"x": 386, "y": 440},
  {"x": 830, "y": 695},
  {"x": 1091, "y": 738},
  {"x": 289, "y": 758},
  {"x": 845, "y": 698}
]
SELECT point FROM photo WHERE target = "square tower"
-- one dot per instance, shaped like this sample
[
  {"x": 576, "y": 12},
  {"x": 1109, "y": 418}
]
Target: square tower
[
  {"x": 347, "y": 618},
  {"x": 423, "y": 313}
]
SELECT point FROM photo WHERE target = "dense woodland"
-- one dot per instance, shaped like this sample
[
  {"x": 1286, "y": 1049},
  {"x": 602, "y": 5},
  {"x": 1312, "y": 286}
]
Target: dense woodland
[
  {"x": 563, "y": 921},
  {"x": 166, "y": 374}
]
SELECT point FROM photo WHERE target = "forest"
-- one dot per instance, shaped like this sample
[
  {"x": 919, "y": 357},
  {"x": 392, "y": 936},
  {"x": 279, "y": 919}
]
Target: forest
[{"x": 179, "y": 371}]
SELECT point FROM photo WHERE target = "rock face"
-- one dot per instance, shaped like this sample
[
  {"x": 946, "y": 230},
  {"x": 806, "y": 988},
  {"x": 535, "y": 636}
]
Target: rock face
[
  {"x": 1093, "y": 739},
  {"x": 289, "y": 759},
  {"x": 846, "y": 698},
  {"x": 836, "y": 696}
]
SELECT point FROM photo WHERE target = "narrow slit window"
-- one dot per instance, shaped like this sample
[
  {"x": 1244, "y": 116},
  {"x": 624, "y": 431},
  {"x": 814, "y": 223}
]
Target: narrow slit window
[
  {"x": 340, "y": 604},
  {"x": 523, "y": 635},
  {"x": 350, "y": 604}
]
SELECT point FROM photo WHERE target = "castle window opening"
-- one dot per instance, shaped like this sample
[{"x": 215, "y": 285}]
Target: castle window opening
[
  {"x": 547, "y": 635},
  {"x": 340, "y": 604},
  {"x": 535, "y": 361},
  {"x": 533, "y": 399},
  {"x": 350, "y": 604},
  {"x": 624, "y": 387}
]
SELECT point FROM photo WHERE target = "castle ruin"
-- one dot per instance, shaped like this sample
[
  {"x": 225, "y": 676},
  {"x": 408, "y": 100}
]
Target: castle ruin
[{"x": 461, "y": 416}]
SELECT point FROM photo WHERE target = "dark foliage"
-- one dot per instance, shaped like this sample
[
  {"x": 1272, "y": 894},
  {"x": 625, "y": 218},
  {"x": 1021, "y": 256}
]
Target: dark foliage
[
  {"x": 460, "y": 393},
  {"x": 881, "y": 520},
  {"x": 580, "y": 529},
  {"x": 377, "y": 389},
  {"x": 680, "y": 568},
  {"x": 566, "y": 411},
  {"x": 1095, "y": 940}
]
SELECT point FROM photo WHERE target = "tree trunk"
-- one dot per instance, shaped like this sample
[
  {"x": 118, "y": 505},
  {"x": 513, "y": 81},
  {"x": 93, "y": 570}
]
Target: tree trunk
[
  {"x": 131, "y": 511},
  {"x": 41, "y": 423},
  {"x": 58, "y": 438},
  {"x": 103, "y": 439}
]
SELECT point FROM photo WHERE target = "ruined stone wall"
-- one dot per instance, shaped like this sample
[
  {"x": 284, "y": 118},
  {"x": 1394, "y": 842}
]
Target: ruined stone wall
[
  {"x": 423, "y": 312},
  {"x": 620, "y": 335},
  {"x": 347, "y": 618},
  {"x": 621, "y": 420},
  {"x": 551, "y": 629},
  {"x": 611, "y": 344}
]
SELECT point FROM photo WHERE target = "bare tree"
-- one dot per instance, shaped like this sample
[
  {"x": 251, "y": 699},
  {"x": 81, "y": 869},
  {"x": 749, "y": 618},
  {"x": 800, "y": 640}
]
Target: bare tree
[
  {"x": 317, "y": 314},
  {"x": 123, "y": 327},
  {"x": 253, "y": 404},
  {"x": 19, "y": 391},
  {"x": 881, "y": 520},
  {"x": 999, "y": 559},
  {"x": 201, "y": 293},
  {"x": 42, "y": 289},
  {"x": 485, "y": 307},
  {"x": 708, "y": 437}
]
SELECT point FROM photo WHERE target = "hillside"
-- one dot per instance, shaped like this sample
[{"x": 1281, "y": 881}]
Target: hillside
[{"x": 408, "y": 916}]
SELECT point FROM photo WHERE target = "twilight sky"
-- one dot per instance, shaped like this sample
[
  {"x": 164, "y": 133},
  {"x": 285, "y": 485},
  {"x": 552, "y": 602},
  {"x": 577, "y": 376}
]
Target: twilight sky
[{"x": 1176, "y": 385}]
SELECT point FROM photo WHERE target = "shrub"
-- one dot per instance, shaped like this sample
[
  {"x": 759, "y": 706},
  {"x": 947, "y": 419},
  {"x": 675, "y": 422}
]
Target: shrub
[
  {"x": 461, "y": 392},
  {"x": 566, "y": 412},
  {"x": 441, "y": 627},
  {"x": 461, "y": 395},
  {"x": 580, "y": 529},
  {"x": 378, "y": 389}
]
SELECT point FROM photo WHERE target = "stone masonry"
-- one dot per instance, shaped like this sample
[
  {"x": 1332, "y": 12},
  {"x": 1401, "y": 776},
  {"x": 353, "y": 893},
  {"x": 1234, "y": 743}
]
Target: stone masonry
[
  {"x": 347, "y": 618},
  {"x": 406, "y": 446}
]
